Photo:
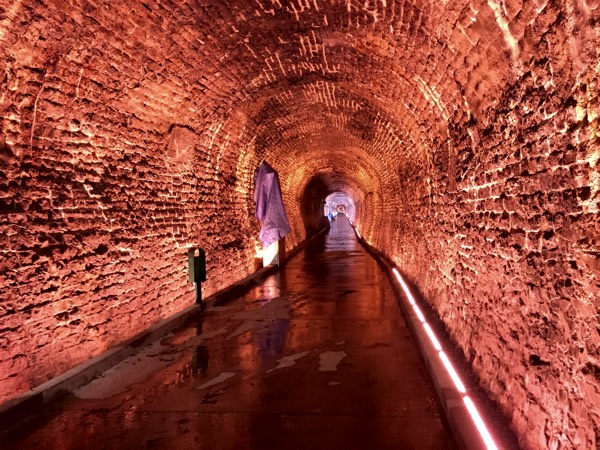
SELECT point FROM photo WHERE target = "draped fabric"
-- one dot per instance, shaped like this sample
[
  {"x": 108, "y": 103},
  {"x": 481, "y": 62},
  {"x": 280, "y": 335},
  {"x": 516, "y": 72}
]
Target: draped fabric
[{"x": 269, "y": 205}]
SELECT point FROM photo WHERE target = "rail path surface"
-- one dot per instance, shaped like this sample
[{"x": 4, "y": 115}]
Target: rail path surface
[{"x": 317, "y": 356}]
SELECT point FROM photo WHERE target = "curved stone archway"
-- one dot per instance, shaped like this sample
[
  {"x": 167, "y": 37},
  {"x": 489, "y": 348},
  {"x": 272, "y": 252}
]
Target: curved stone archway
[{"x": 465, "y": 131}]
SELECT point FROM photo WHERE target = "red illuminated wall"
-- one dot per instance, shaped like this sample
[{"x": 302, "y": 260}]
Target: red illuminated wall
[{"x": 466, "y": 134}]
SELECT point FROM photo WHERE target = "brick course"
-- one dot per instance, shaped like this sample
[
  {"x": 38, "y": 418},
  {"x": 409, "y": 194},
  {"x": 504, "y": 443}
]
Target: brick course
[{"x": 466, "y": 133}]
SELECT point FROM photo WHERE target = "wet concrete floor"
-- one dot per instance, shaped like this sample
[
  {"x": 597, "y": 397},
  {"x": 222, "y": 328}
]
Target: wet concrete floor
[{"x": 317, "y": 356}]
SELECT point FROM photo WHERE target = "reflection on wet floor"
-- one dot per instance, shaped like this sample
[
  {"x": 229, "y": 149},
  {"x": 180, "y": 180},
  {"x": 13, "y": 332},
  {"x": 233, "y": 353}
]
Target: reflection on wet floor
[{"x": 317, "y": 356}]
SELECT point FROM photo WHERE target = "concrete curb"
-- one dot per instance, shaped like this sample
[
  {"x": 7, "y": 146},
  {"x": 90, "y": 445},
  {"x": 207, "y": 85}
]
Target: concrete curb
[
  {"x": 20, "y": 408},
  {"x": 456, "y": 413}
]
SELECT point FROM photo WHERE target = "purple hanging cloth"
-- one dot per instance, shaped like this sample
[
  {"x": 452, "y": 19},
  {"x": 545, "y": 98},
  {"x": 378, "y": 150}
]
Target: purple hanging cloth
[{"x": 269, "y": 205}]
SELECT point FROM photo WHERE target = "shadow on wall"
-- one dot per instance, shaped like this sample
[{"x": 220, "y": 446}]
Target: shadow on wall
[{"x": 311, "y": 205}]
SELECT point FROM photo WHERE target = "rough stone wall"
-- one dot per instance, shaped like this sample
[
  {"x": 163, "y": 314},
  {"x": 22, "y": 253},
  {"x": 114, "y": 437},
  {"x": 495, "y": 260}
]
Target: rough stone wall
[
  {"x": 516, "y": 272},
  {"x": 108, "y": 175},
  {"x": 515, "y": 237},
  {"x": 466, "y": 133}
]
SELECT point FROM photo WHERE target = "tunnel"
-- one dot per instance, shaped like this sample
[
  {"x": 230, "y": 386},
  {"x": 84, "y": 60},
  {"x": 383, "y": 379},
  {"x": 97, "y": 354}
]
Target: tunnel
[{"x": 461, "y": 135}]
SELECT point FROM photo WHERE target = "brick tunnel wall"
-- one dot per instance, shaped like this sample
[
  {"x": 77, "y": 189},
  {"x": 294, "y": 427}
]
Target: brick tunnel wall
[
  {"x": 466, "y": 134},
  {"x": 516, "y": 251},
  {"x": 109, "y": 174}
]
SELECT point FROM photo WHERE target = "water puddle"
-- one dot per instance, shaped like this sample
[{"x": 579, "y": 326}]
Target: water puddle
[
  {"x": 245, "y": 326},
  {"x": 277, "y": 308},
  {"x": 134, "y": 369}
]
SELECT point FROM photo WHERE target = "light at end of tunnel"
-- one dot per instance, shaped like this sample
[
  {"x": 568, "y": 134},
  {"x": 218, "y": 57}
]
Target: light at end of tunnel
[
  {"x": 419, "y": 313},
  {"x": 432, "y": 338},
  {"x": 457, "y": 381},
  {"x": 483, "y": 431}
]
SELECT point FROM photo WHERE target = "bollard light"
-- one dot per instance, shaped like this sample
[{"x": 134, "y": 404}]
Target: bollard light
[{"x": 197, "y": 269}]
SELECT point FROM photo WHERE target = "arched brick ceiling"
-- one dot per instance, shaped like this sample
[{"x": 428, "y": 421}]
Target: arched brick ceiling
[
  {"x": 416, "y": 70},
  {"x": 411, "y": 66},
  {"x": 466, "y": 133}
]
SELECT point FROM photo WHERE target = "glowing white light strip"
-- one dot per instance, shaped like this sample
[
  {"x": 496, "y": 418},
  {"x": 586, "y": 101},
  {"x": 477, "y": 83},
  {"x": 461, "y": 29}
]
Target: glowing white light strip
[
  {"x": 432, "y": 338},
  {"x": 483, "y": 431},
  {"x": 358, "y": 233},
  {"x": 404, "y": 287},
  {"x": 457, "y": 381},
  {"x": 419, "y": 313},
  {"x": 485, "y": 434}
]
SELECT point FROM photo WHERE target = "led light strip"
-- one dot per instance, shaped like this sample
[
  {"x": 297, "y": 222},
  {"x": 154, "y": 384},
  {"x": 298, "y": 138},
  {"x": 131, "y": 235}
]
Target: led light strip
[
  {"x": 487, "y": 438},
  {"x": 460, "y": 387}
]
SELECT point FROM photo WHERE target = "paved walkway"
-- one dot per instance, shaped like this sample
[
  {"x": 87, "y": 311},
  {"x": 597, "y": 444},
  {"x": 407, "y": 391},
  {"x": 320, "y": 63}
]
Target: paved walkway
[{"x": 316, "y": 357}]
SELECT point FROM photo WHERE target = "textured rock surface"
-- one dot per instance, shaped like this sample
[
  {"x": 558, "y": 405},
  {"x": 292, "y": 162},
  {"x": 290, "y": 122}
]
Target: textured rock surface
[{"x": 466, "y": 133}]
